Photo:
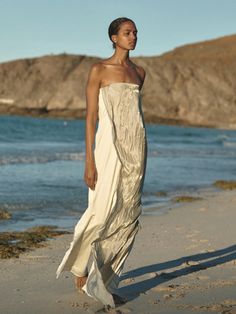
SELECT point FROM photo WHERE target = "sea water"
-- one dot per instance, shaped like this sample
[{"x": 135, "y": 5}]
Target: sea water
[{"x": 42, "y": 168}]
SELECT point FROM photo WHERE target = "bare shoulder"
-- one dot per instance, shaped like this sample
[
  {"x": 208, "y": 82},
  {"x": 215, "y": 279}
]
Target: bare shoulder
[
  {"x": 96, "y": 68},
  {"x": 141, "y": 72},
  {"x": 95, "y": 74}
]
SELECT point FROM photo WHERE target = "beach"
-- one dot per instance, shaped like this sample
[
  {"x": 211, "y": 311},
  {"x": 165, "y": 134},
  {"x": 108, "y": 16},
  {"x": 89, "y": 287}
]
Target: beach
[
  {"x": 183, "y": 261},
  {"x": 160, "y": 83}
]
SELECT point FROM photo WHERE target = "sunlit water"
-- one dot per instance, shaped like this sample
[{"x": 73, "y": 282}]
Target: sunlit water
[{"x": 42, "y": 167}]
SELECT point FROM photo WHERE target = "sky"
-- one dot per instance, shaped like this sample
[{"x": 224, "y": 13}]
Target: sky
[{"x": 33, "y": 28}]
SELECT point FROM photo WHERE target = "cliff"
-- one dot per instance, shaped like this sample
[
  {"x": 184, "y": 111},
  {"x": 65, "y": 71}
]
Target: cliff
[{"x": 191, "y": 85}]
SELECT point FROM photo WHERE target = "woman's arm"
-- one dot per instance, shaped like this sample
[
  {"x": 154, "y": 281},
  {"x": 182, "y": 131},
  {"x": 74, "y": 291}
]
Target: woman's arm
[{"x": 92, "y": 90}]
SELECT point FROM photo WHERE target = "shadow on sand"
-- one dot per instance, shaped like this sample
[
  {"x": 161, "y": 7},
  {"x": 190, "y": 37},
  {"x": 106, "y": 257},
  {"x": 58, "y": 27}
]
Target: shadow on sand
[{"x": 215, "y": 258}]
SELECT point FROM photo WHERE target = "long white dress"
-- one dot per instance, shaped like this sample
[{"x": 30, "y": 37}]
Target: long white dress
[{"x": 108, "y": 227}]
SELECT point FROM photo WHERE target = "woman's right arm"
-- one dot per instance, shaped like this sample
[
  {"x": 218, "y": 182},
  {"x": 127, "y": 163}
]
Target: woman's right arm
[{"x": 92, "y": 90}]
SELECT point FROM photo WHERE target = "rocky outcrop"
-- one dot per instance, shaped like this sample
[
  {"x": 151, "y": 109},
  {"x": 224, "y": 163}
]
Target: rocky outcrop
[
  {"x": 49, "y": 85},
  {"x": 192, "y": 85}
]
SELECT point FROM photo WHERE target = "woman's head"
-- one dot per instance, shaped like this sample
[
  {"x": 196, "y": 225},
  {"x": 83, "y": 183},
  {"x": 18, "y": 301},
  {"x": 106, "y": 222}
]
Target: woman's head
[{"x": 123, "y": 32}]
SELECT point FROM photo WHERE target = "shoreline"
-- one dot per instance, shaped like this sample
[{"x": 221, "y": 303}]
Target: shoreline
[
  {"x": 155, "y": 208},
  {"x": 80, "y": 114},
  {"x": 189, "y": 266}
]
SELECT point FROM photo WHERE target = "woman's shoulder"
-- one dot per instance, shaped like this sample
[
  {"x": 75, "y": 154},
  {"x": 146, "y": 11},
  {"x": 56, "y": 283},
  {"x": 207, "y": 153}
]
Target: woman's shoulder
[
  {"x": 101, "y": 64},
  {"x": 97, "y": 71},
  {"x": 97, "y": 66},
  {"x": 140, "y": 70}
]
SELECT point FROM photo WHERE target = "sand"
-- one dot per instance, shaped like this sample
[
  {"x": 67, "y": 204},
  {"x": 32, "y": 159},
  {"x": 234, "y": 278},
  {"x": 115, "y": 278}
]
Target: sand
[{"x": 183, "y": 261}]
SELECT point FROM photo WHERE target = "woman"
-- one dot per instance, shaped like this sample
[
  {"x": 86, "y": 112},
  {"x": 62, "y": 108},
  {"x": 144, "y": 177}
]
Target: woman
[{"x": 114, "y": 170}]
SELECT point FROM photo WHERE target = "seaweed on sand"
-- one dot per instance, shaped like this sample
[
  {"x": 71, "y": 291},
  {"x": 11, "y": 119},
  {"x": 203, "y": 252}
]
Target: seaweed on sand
[
  {"x": 226, "y": 185},
  {"x": 185, "y": 198},
  {"x": 12, "y": 244}
]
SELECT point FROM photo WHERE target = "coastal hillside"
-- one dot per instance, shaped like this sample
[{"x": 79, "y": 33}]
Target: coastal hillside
[{"x": 193, "y": 84}]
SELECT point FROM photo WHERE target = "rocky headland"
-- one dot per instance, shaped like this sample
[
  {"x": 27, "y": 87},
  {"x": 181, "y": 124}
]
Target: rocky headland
[{"x": 193, "y": 85}]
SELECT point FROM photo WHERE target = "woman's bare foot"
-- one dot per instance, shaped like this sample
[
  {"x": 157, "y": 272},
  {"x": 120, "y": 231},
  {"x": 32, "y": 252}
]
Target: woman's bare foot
[{"x": 80, "y": 282}]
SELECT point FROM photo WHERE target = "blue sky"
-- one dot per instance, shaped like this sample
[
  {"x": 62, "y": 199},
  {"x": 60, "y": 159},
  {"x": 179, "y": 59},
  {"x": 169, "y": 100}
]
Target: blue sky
[{"x": 30, "y": 28}]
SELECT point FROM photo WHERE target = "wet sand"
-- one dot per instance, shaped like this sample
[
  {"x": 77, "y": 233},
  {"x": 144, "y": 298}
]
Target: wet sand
[{"x": 183, "y": 261}]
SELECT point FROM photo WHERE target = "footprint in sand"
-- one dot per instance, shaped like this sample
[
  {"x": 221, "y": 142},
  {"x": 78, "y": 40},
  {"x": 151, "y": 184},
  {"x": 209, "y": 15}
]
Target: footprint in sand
[
  {"x": 190, "y": 263},
  {"x": 212, "y": 307},
  {"x": 193, "y": 246},
  {"x": 179, "y": 228},
  {"x": 203, "y": 240},
  {"x": 208, "y": 251},
  {"x": 152, "y": 275},
  {"x": 83, "y": 305},
  {"x": 161, "y": 289},
  {"x": 199, "y": 240},
  {"x": 167, "y": 296},
  {"x": 169, "y": 288},
  {"x": 191, "y": 235},
  {"x": 202, "y": 209},
  {"x": 128, "y": 280},
  {"x": 222, "y": 283},
  {"x": 156, "y": 301},
  {"x": 203, "y": 277}
]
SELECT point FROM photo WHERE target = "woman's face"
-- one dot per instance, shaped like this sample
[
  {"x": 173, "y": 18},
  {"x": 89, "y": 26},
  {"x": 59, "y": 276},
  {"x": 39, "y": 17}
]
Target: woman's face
[{"x": 127, "y": 36}]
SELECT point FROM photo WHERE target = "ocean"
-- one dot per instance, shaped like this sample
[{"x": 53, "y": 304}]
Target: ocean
[{"x": 42, "y": 168}]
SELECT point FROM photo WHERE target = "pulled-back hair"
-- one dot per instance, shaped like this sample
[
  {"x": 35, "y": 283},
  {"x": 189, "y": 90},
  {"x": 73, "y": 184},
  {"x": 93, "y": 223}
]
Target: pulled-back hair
[{"x": 115, "y": 26}]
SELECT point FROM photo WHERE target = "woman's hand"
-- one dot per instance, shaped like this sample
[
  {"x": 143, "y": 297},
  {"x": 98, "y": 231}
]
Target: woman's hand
[{"x": 90, "y": 174}]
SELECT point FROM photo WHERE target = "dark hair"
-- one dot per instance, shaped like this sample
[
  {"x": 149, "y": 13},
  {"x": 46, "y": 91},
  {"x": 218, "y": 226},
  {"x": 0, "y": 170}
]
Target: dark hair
[{"x": 115, "y": 26}]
